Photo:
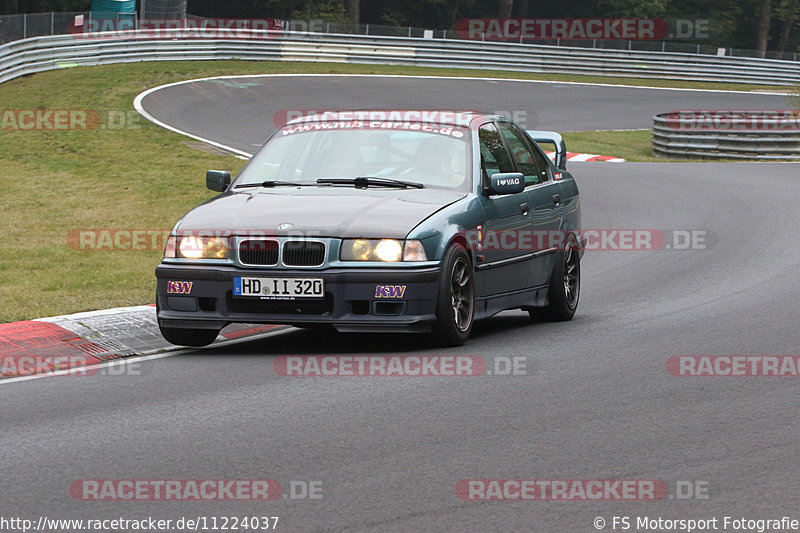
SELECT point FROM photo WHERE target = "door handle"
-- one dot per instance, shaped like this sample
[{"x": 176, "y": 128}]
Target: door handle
[
  {"x": 557, "y": 199},
  {"x": 524, "y": 208}
]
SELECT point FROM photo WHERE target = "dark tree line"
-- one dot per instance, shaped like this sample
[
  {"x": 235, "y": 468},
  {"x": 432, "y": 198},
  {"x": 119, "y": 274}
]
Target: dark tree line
[{"x": 759, "y": 24}]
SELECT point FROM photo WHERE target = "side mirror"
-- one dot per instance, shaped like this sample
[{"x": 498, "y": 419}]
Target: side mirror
[
  {"x": 218, "y": 180},
  {"x": 507, "y": 183},
  {"x": 551, "y": 137}
]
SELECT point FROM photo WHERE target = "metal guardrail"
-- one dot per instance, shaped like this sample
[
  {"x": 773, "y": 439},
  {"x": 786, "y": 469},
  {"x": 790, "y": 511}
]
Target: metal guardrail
[
  {"x": 705, "y": 138},
  {"x": 39, "y": 54},
  {"x": 24, "y": 25}
]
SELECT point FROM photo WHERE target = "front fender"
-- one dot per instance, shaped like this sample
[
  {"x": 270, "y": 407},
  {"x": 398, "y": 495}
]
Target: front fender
[{"x": 451, "y": 223}]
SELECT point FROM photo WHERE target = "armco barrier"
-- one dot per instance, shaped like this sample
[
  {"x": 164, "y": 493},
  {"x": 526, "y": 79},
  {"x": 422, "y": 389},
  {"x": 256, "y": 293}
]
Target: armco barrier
[
  {"x": 772, "y": 139},
  {"x": 39, "y": 54}
]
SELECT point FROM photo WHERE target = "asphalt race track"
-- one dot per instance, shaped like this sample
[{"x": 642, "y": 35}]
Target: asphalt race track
[
  {"x": 240, "y": 112},
  {"x": 597, "y": 401}
]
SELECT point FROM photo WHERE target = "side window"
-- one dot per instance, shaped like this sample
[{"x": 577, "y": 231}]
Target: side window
[
  {"x": 494, "y": 157},
  {"x": 541, "y": 163},
  {"x": 528, "y": 159}
]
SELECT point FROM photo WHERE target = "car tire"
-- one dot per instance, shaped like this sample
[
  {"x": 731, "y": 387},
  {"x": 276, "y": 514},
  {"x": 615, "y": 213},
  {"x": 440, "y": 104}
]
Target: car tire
[
  {"x": 565, "y": 286},
  {"x": 189, "y": 336},
  {"x": 455, "y": 305}
]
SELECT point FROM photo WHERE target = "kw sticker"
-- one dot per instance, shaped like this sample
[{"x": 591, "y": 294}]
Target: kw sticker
[
  {"x": 389, "y": 291},
  {"x": 179, "y": 287}
]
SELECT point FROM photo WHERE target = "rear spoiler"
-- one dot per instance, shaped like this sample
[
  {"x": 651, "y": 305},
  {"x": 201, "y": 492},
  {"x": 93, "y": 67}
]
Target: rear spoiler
[{"x": 556, "y": 139}]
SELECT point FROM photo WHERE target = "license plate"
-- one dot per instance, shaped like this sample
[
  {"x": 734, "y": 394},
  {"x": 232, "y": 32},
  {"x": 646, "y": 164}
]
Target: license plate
[{"x": 279, "y": 288}]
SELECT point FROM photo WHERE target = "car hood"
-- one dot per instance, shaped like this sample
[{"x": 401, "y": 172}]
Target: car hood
[{"x": 318, "y": 211}]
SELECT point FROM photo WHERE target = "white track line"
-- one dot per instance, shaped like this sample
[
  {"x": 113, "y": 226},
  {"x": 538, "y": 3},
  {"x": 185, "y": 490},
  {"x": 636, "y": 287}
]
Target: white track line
[
  {"x": 137, "y": 104},
  {"x": 101, "y": 312}
]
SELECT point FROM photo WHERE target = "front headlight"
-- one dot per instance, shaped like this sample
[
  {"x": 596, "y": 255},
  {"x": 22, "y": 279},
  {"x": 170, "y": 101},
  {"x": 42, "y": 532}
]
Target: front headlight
[
  {"x": 389, "y": 250},
  {"x": 385, "y": 250},
  {"x": 195, "y": 247}
]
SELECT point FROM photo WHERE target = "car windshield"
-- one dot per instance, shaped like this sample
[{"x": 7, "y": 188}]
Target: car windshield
[{"x": 434, "y": 156}]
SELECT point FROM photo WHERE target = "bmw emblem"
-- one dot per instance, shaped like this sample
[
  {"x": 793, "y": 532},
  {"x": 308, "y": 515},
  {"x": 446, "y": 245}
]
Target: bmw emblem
[{"x": 285, "y": 226}]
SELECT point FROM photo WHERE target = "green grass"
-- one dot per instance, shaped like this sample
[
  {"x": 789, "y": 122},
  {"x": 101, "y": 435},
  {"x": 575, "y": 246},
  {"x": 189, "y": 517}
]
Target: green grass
[
  {"x": 634, "y": 145},
  {"x": 141, "y": 176}
]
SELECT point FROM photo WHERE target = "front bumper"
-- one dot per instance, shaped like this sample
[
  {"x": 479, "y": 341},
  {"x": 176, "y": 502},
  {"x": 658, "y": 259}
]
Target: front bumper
[{"x": 351, "y": 302}]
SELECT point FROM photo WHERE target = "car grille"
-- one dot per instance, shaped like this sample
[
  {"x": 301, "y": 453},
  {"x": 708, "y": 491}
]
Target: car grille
[
  {"x": 258, "y": 252},
  {"x": 303, "y": 253}
]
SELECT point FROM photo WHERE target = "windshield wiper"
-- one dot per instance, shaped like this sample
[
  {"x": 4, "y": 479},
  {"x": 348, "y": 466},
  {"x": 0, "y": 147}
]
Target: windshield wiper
[
  {"x": 365, "y": 181},
  {"x": 272, "y": 183}
]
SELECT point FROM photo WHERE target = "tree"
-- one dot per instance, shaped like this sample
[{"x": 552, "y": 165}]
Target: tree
[
  {"x": 9, "y": 6},
  {"x": 762, "y": 37},
  {"x": 354, "y": 11},
  {"x": 633, "y": 8},
  {"x": 326, "y": 10},
  {"x": 788, "y": 16},
  {"x": 506, "y": 6}
]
